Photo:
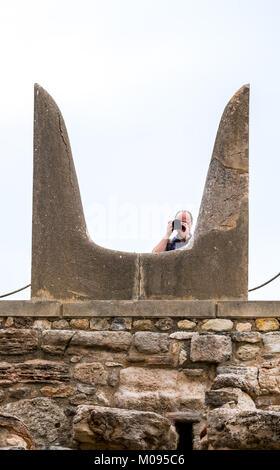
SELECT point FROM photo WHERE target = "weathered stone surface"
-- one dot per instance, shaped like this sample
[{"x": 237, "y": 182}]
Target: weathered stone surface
[
  {"x": 86, "y": 389},
  {"x": 269, "y": 380},
  {"x": 165, "y": 324},
  {"x": 182, "y": 357},
  {"x": 113, "y": 364},
  {"x": 159, "y": 390},
  {"x": 14, "y": 433},
  {"x": 250, "y": 373},
  {"x": 94, "y": 272},
  {"x": 232, "y": 380},
  {"x": 247, "y": 352},
  {"x": 60, "y": 325},
  {"x": 188, "y": 416},
  {"x": 2, "y": 395},
  {"x": 244, "y": 326},
  {"x": 57, "y": 392},
  {"x": 271, "y": 342},
  {"x": 113, "y": 377},
  {"x": 247, "y": 337},
  {"x": 143, "y": 325},
  {"x": 164, "y": 360},
  {"x": 217, "y": 324},
  {"x": 79, "y": 323},
  {"x": 8, "y": 373},
  {"x": 149, "y": 343},
  {"x": 29, "y": 308},
  {"x": 243, "y": 430},
  {"x": 38, "y": 371},
  {"x": 42, "y": 324},
  {"x": 121, "y": 323},
  {"x": 248, "y": 309},
  {"x": 217, "y": 398},
  {"x": 9, "y": 322},
  {"x": 210, "y": 348},
  {"x": 267, "y": 324},
  {"x": 44, "y": 419},
  {"x": 99, "y": 324},
  {"x": 19, "y": 392},
  {"x": 140, "y": 308},
  {"x": 14, "y": 341},
  {"x": 194, "y": 372},
  {"x": 186, "y": 324},
  {"x": 182, "y": 335},
  {"x": 111, "y": 340},
  {"x": 91, "y": 373},
  {"x": 56, "y": 341},
  {"x": 101, "y": 428}
]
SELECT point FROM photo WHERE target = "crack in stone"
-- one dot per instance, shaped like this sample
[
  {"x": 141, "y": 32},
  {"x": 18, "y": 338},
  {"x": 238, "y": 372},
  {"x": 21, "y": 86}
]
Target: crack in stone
[
  {"x": 68, "y": 343},
  {"x": 240, "y": 170},
  {"x": 67, "y": 150}
]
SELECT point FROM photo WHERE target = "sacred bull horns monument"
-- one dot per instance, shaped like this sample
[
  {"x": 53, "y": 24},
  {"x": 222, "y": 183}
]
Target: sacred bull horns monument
[
  {"x": 67, "y": 265},
  {"x": 143, "y": 351}
]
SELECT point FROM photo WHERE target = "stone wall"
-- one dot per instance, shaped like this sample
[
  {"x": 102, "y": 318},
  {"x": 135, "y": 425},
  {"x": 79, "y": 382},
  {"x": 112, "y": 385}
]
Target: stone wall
[{"x": 121, "y": 374}]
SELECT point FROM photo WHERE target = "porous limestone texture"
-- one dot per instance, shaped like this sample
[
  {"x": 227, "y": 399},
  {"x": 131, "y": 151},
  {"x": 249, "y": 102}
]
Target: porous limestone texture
[
  {"x": 50, "y": 367},
  {"x": 96, "y": 427},
  {"x": 243, "y": 430}
]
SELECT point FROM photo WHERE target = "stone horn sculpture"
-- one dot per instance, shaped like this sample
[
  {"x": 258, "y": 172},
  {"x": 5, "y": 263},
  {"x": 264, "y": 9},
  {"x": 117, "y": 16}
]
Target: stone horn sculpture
[{"x": 68, "y": 265}]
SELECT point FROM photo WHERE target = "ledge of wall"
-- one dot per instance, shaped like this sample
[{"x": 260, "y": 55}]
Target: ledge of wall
[{"x": 139, "y": 308}]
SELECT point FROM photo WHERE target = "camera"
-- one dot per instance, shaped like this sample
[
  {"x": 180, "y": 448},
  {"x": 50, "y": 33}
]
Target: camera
[{"x": 177, "y": 224}]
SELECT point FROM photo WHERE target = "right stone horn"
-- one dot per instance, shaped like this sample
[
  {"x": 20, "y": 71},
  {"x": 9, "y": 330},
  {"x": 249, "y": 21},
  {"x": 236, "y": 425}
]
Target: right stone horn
[{"x": 216, "y": 267}]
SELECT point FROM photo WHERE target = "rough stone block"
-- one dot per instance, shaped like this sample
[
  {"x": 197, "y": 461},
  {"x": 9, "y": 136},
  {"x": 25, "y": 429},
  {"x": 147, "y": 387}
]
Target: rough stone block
[
  {"x": 159, "y": 390},
  {"x": 216, "y": 398},
  {"x": 210, "y": 348},
  {"x": 267, "y": 324},
  {"x": 57, "y": 392},
  {"x": 182, "y": 335},
  {"x": 111, "y": 340},
  {"x": 18, "y": 341},
  {"x": 96, "y": 427},
  {"x": 217, "y": 324},
  {"x": 14, "y": 434},
  {"x": 44, "y": 419},
  {"x": 56, "y": 341},
  {"x": 165, "y": 324},
  {"x": 91, "y": 373},
  {"x": 269, "y": 380},
  {"x": 271, "y": 342},
  {"x": 42, "y": 325},
  {"x": 247, "y": 337},
  {"x": 243, "y": 430},
  {"x": 99, "y": 324},
  {"x": 151, "y": 343},
  {"x": 60, "y": 325},
  {"x": 186, "y": 324},
  {"x": 39, "y": 371},
  {"x": 250, "y": 373},
  {"x": 247, "y": 352},
  {"x": 79, "y": 323},
  {"x": 244, "y": 326},
  {"x": 232, "y": 380},
  {"x": 121, "y": 323}
]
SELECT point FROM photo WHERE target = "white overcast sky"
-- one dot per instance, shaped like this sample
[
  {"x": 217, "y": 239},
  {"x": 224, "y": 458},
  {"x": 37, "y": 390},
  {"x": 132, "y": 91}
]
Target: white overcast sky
[{"x": 142, "y": 85}]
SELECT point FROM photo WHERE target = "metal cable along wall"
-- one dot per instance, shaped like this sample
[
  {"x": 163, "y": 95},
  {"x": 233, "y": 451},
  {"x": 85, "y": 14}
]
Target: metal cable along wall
[{"x": 250, "y": 290}]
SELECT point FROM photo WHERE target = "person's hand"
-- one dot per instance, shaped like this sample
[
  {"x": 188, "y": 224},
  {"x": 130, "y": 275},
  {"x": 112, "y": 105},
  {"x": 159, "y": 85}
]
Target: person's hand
[{"x": 169, "y": 229}]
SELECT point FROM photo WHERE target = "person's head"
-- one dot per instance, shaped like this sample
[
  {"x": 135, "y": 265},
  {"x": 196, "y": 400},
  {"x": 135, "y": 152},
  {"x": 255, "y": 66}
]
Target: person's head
[{"x": 186, "y": 220}]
